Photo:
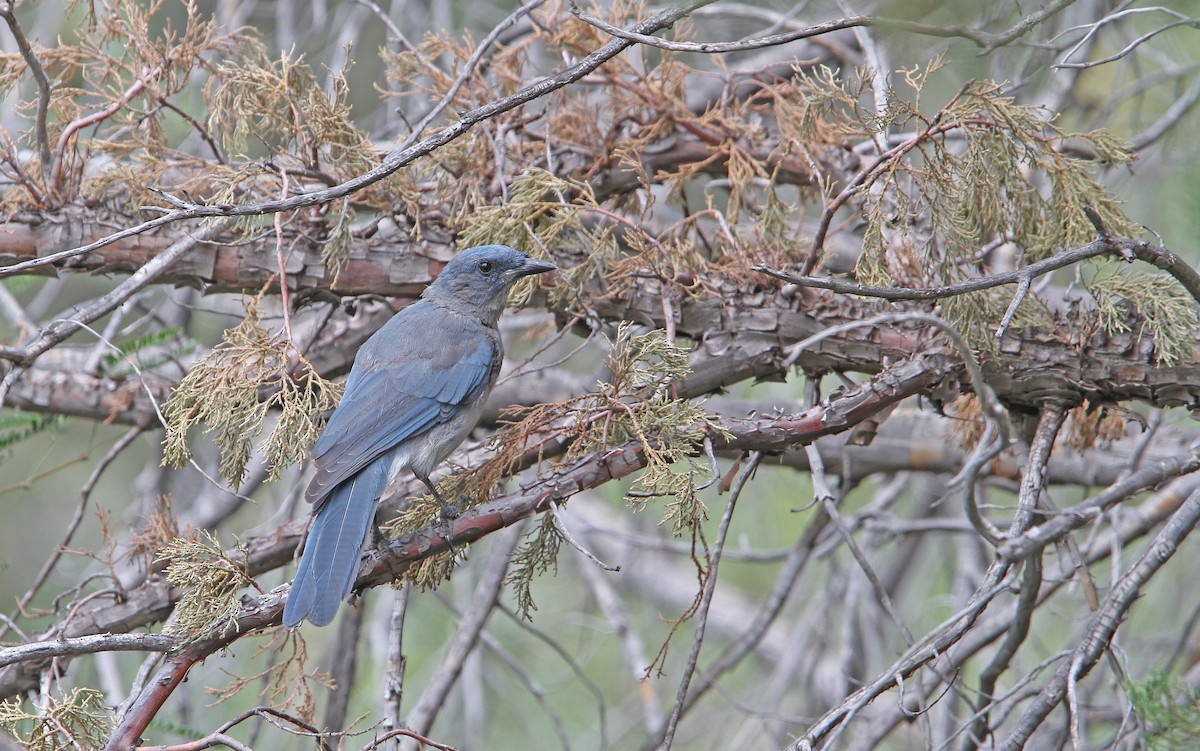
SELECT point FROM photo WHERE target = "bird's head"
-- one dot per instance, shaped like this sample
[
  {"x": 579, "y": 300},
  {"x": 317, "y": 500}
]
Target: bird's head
[{"x": 478, "y": 280}]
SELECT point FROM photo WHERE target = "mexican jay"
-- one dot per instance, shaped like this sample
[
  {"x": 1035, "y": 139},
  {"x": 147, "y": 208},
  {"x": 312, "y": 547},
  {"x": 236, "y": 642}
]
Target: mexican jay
[{"x": 416, "y": 390}]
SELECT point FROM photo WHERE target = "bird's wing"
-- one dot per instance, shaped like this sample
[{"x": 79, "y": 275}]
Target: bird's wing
[{"x": 409, "y": 380}]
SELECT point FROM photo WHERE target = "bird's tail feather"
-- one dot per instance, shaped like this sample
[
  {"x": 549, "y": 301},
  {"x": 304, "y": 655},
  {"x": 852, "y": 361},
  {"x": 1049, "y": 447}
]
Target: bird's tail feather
[{"x": 335, "y": 541}]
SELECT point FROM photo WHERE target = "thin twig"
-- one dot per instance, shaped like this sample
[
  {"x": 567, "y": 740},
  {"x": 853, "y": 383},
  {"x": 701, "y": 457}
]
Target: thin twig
[
  {"x": 1104, "y": 623},
  {"x": 531, "y": 684},
  {"x": 856, "y": 184},
  {"x": 196, "y": 126},
  {"x": 983, "y": 39},
  {"x": 1018, "y": 297},
  {"x": 283, "y": 278},
  {"x": 826, "y": 499},
  {"x": 632, "y": 647},
  {"x": 710, "y": 587},
  {"x": 714, "y": 471},
  {"x": 927, "y": 649},
  {"x": 220, "y": 735},
  {"x": 1131, "y": 46},
  {"x": 386, "y": 20},
  {"x": 747, "y": 642},
  {"x": 567, "y": 656},
  {"x": 44, "y": 89},
  {"x": 395, "y": 159},
  {"x": 85, "y": 494},
  {"x": 70, "y": 129},
  {"x": 1045, "y": 266},
  {"x": 984, "y": 452},
  {"x": 561, "y": 527},
  {"x": 469, "y": 69}
]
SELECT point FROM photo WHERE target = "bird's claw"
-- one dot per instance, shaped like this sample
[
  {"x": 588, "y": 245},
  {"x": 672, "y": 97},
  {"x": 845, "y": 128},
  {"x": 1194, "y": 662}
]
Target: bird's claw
[{"x": 447, "y": 513}]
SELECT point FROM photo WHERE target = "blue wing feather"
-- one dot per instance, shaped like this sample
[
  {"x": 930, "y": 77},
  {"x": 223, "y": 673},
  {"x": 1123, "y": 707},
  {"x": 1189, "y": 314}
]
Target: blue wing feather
[
  {"x": 397, "y": 392},
  {"x": 407, "y": 379}
]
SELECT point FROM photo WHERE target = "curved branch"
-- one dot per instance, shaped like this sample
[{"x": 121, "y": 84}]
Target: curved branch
[
  {"x": 1103, "y": 624},
  {"x": 984, "y": 39},
  {"x": 1127, "y": 249},
  {"x": 392, "y": 161},
  {"x": 43, "y": 84}
]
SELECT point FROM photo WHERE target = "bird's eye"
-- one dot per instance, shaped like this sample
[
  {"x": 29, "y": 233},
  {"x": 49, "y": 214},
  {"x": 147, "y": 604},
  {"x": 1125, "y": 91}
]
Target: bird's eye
[{"x": 485, "y": 267}]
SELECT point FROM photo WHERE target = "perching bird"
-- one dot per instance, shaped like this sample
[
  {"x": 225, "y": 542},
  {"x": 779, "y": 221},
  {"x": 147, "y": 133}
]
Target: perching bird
[{"x": 416, "y": 390}]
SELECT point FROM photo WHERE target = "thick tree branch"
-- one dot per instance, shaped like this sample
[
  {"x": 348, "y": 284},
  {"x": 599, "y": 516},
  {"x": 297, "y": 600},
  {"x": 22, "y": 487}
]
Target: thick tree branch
[{"x": 749, "y": 327}]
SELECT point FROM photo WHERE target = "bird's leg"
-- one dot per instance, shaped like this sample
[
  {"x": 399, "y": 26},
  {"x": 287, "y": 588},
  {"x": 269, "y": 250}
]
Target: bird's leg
[
  {"x": 378, "y": 537},
  {"x": 447, "y": 512}
]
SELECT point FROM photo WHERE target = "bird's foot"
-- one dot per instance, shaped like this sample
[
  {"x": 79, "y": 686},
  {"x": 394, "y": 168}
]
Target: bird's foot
[
  {"x": 447, "y": 513},
  {"x": 380, "y": 540},
  {"x": 378, "y": 537}
]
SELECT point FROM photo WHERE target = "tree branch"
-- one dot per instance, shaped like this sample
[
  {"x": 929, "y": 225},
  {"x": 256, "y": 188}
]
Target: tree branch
[
  {"x": 153, "y": 599},
  {"x": 44, "y": 88},
  {"x": 392, "y": 161},
  {"x": 1104, "y": 623},
  {"x": 82, "y": 645},
  {"x": 1033, "y": 540},
  {"x": 58, "y": 330},
  {"x": 986, "y": 40},
  {"x": 1128, "y": 249}
]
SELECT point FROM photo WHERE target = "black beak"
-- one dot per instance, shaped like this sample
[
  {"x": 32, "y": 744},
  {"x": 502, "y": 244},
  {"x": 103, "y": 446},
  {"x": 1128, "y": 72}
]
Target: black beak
[{"x": 533, "y": 266}]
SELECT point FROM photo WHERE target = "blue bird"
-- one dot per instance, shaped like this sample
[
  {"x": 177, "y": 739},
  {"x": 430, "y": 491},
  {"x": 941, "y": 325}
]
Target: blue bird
[{"x": 416, "y": 390}]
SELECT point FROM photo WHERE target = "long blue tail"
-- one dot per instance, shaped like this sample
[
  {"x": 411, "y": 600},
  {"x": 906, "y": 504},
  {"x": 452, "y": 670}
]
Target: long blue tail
[{"x": 335, "y": 542}]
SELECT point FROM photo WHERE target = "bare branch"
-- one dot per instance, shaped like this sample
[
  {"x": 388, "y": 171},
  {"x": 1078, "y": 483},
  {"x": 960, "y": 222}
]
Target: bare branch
[
  {"x": 85, "y": 493},
  {"x": 393, "y": 160},
  {"x": 81, "y": 645},
  {"x": 1002, "y": 658},
  {"x": 1104, "y": 623},
  {"x": 1181, "y": 20},
  {"x": 710, "y": 586},
  {"x": 470, "y": 625},
  {"x": 44, "y": 88},
  {"x": 469, "y": 67},
  {"x": 1029, "y": 542},
  {"x": 1057, "y": 261},
  {"x": 988, "y": 41},
  {"x": 60, "y": 329}
]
